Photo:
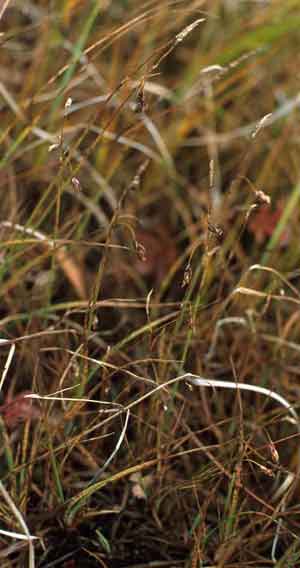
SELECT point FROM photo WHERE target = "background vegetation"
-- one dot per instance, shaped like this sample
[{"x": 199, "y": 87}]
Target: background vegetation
[{"x": 149, "y": 228}]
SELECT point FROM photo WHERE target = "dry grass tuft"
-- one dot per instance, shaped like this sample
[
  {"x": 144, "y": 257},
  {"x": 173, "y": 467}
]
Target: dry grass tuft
[{"x": 149, "y": 249}]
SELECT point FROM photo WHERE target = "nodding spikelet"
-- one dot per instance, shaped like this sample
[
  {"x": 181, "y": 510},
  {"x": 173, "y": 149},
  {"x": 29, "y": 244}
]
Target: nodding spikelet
[
  {"x": 261, "y": 124},
  {"x": 178, "y": 39},
  {"x": 136, "y": 182},
  {"x": 216, "y": 230},
  {"x": 140, "y": 102},
  {"x": 187, "y": 276},
  {"x": 213, "y": 70},
  {"x": 262, "y": 198},
  {"x": 68, "y": 103},
  {"x": 140, "y": 251},
  {"x": 266, "y": 470},
  {"x": 274, "y": 453},
  {"x": 187, "y": 30},
  {"x": 76, "y": 183},
  {"x": 55, "y": 145},
  {"x": 273, "y": 450}
]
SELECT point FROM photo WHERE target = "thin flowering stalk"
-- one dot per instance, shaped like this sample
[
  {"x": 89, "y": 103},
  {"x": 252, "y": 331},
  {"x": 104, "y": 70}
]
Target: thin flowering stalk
[
  {"x": 28, "y": 231},
  {"x": 202, "y": 382},
  {"x": 27, "y": 536},
  {"x": 73, "y": 399},
  {"x": 212, "y": 383},
  {"x": 219, "y": 325},
  {"x": 7, "y": 364},
  {"x": 114, "y": 452},
  {"x": 85, "y": 494}
]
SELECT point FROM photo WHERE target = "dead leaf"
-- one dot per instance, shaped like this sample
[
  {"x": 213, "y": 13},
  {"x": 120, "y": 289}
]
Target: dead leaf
[
  {"x": 73, "y": 272},
  {"x": 140, "y": 484}
]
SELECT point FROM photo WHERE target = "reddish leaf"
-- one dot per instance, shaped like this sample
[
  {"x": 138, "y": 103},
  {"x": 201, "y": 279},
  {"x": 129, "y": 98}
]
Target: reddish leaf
[
  {"x": 263, "y": 223},
  {"x": 18, "y": 410},
  {"x": 159, "y": 253}
]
